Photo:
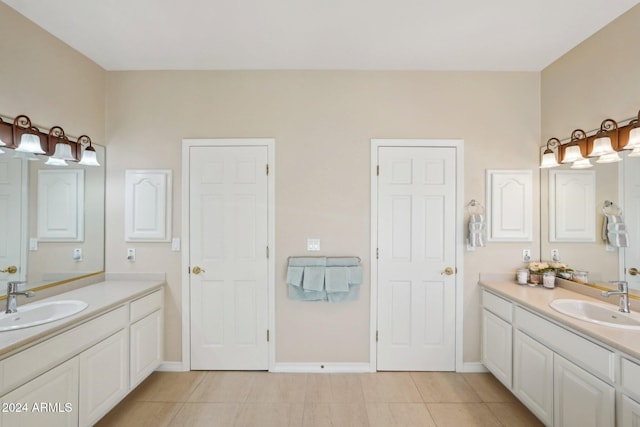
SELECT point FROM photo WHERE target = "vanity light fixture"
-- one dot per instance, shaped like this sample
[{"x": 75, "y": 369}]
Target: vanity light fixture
[
  {"x": 602, "y": 145},
  {"x": 89, "y": 157},
  {"x": 549, "y": 156},
  {"x": 633, "y": 143},
  {"x": 62, "y": 151},
  {"x": 30, "y": 140}
]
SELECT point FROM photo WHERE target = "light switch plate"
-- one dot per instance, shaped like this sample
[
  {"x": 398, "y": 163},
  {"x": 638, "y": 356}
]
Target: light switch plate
[
  {"x": 175, "y": 244},
  {"x": 313, "y": 244}
]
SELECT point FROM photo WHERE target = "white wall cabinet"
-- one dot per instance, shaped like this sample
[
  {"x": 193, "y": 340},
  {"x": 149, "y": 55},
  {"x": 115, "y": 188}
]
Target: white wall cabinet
[
  {"x": 580, "y": 399},
  {"x": 48, "y": 400},
  {"x": 104, "y": 377},
  {"x": 533, "y": 376}
]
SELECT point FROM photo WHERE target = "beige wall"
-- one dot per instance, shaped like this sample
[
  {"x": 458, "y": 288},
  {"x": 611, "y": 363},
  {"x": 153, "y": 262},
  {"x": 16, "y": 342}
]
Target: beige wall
[
  {"x": 598, "y": 79},
  {"x": 322, "y": 122}
]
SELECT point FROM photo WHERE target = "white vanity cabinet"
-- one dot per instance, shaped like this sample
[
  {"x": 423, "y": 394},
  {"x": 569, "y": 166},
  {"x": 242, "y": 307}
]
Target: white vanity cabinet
[
  {"x": 562, "y": 377},
  {"x": 80, "y": 374},
  {"x": 496, "y": 337}
]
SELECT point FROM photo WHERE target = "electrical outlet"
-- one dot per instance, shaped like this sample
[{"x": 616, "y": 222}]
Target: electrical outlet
[
  {"x": 77, "y": 254},
  {"x": 526, "y": 255},
  {"x": 555, "y": 255},
  {"x": 131, "y": 255}
]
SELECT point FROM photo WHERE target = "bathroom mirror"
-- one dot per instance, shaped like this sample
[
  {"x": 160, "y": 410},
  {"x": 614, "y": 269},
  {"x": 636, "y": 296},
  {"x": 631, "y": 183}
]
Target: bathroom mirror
[
  {"x": 46, "y": 259},
  {"x": 616, "y": 182}
]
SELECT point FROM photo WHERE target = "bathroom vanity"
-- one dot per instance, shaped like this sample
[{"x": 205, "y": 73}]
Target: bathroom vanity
[
  {"x": 72, "y": 371},
  {"x": 568, "y": 372}
]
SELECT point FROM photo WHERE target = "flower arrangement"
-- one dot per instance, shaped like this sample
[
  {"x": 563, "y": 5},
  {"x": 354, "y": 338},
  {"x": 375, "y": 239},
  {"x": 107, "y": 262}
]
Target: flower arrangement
[{"x": 541, "y": 267}]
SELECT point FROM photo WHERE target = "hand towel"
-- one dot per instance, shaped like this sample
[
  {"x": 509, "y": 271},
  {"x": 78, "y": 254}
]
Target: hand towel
[
  {"x": 477, "y": 230},
  {"x": 342, "y": 261},
  {"x": 350, "y": 296},
  {"x": 313, "y": 278},
  {"x": 294, "y": 275},
  {"x": 298, "y": 294},
  {"x": 355, "y": 275},
  {"x": 336, "y": 279},
  {"x": 618, "y": 240}
]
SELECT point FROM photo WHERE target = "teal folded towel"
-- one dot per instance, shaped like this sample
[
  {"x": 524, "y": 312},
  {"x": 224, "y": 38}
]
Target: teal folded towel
[
  {"x": 355, "y": 275},
  {"x": 294, "y": 275},
  {"x": 313, "y": 278},
  {"x": 350, "y": 296},
  {"x": 298, "y": 294},
  {"x": 342, "y": 261},
  {"x": 336, "y": 279},
  {"x": 307, "y": 261}
]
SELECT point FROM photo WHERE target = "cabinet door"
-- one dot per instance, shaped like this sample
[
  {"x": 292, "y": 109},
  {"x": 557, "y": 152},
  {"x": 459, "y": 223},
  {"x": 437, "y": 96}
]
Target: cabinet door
[
  {"x": 48, "y": 400},
  {"x": 146, "y": 347},
  {"x": 581, "y": 399},
  {"x": 104, "y": 370},
  {"x": 533, "y": 376},
  {"x": 630, "y": 412},
  {"x": 497, "y": 347}
]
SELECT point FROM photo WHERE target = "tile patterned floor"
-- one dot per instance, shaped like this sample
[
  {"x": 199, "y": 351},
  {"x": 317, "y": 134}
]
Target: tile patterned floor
[{"x": 385, "y": 399}]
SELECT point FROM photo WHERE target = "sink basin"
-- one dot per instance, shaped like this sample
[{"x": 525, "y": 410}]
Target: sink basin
[
  {"x": 594, "y": 312},
  {"x": 38, "y": 313}
]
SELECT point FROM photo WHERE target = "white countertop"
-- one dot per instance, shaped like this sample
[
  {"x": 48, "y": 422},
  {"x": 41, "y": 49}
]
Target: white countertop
[
  {"x": 538, "y": 298},
  {"x": 101, "y": 297}
]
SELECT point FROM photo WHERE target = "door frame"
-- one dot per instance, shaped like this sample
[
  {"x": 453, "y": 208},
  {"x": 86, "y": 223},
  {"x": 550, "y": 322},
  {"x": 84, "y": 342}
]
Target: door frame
[
  {"x": 458, "y": 144},
  {"x": 270, "y": 143}
]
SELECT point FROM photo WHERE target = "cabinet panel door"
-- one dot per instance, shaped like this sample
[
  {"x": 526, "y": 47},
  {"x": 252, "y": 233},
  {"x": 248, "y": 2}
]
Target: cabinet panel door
[
  {"x": 533, "y": 376},
  {"x": 146, "y": 347},
  {"x": 48, "y": 400},
  {"x": 497, "y": 347},
  {"x": 104, "y": 372},
  {"x": 630, "y": 412},
  {"x": 581, "y": 399}
]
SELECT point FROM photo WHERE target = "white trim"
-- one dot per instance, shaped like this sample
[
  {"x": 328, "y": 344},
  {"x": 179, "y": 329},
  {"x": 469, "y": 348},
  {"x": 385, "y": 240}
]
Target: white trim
[
  {"x": 171, "y": 367},
  {"x": 322, "y": 368},
  {"x": 472, "y": 367},
  {"x": 270, "y": 143},
  {"x": 458, "y": 144}
]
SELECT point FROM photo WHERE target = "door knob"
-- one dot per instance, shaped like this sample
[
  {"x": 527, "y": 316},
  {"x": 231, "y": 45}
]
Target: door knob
[
  {"x": 12, "y": 269},
  {"x": 448, "y": 271},
  {"x": 633, "y": 271},
  {"x": 197, "y": 270}
]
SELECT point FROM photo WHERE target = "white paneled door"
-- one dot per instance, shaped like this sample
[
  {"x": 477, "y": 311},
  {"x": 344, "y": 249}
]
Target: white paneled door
[
  {"x": 416, "y": 262},
  {"x": 228, "y": 197}
]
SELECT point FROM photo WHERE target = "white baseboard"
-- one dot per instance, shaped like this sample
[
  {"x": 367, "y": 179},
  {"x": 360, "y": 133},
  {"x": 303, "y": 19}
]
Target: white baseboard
[
  {"x": 471, "y": 367},
  {"x": 172, "y": 367},
  {"x": 321, "y": 367}
]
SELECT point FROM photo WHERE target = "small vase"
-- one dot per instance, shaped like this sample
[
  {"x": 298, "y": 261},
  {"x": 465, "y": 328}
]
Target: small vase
[
  {"x": 549, "y": 279},
  {"x": 534, "y": 278}
]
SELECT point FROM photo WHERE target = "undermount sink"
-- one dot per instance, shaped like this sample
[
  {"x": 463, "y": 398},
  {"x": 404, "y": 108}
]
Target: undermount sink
[
  {"x": 38, "y": 313},
  {"x": 594, "y": 312}
]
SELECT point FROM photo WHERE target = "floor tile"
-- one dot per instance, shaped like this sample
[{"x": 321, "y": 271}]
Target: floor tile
[
  {"x": 333, "y": 388},
  {"x": 167, "y": 386},
  {"x": 514, "y": 414},
  {"x": 270, "y": 415},
  {"x": 130, "y": 413},
  {"x": 399, "y": 415},
  {"x": 335, "y": 415},
  {"x": 206, "y": 415},
  {"x": 462, "y": 414},
  {"x": 397, "y": 387},
  {"x": 222, "y": 386},
  {"x": 278, "y": 388},
  {"x": 444, "y": 387},
  {"x": 489, "y": 388}
]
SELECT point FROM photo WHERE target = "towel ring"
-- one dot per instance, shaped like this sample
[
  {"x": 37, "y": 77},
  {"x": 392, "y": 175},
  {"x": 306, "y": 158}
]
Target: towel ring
[
  {"x": 610, "y": 208},
  {"x": 474, "y": 207}
]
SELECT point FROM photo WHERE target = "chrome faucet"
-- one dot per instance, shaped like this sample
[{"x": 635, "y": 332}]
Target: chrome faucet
[
  {"x": 623, "y": 291},
  {"x": 12, "y": 292}
]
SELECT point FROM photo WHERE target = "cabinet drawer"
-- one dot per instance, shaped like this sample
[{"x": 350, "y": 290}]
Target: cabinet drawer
[
  {"x": 27, "y": 364},
  {"x": 630, "y": 377},
  {"x": 498, "y": 306},
  {"x": 588, "y": 355},
  {"x": 146, "y": 305}
]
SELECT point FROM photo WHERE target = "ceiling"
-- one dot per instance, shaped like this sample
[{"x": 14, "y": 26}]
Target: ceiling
[{"x": 492, "y": 35}]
